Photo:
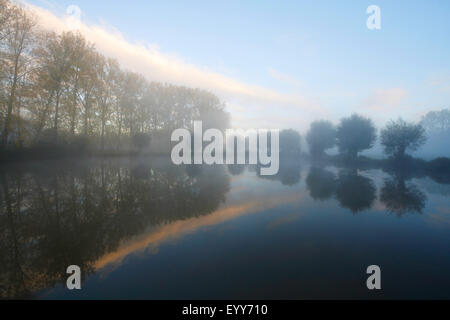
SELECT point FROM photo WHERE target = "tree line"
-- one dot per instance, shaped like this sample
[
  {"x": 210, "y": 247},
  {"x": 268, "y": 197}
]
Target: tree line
[
  {"x": 356, "y": 133},
  {"x": 58, "y": 89}
]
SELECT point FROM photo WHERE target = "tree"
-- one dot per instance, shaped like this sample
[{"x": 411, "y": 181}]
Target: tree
[
  {"x": 56, "y": 56},
  {"x": 17, "y": 43},
  {"x": 400, "y": 136},
  {"x": 436, "y": 121},
  {"x": 54, "y": 86},
  {"x": 321, "y": 136},
  {"x": 355, "y": 134}
]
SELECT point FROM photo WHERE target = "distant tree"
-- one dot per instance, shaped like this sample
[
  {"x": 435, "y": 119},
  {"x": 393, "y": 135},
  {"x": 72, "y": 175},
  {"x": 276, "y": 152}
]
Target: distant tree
[
  {"x": 355, "y": 134},
  {"x": 290, "y": 142},
  {"x": 400, "y": 136},
  {"x": 321, "y": 136},
  {"x": 436, "y": 121}
]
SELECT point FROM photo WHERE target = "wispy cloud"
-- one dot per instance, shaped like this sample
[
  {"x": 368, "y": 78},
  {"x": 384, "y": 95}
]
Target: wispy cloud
[
  {"x": 385, "y": 99},
  {"x": 283, "y": 77},
  {"x": 158, "y": 66}
]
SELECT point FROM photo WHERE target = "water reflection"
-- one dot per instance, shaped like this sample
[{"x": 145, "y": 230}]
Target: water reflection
[
  {"x": 93, "y": 213},
  {"x": 321, "y": 183},
  {"x": 53, "y": 216},
  {"x": 289, "y": 172},
  {"x": 354, "y": 191},
  {"x": 358, "y": 192},
  {"x": 402, "y": 197}
]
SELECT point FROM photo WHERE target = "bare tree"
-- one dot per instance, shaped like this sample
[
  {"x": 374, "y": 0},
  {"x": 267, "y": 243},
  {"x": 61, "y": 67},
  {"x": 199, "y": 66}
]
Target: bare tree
[{"x": 16, "y": 56}]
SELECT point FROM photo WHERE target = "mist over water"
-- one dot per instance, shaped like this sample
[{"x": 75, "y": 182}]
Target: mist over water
[{"x": 145, "y": 228}]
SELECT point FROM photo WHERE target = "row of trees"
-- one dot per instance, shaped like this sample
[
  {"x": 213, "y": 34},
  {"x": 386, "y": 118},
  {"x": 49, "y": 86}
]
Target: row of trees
[
  {"x": 357, "y": 133},
  {"x": 58, "y": 88}
]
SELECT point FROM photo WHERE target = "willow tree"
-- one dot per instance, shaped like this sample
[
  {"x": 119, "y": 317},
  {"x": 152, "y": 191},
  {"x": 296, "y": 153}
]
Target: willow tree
[
  {"x": 400, "y": 136},
  {"x": 320, "y": 137},
  {"x": 355, "y": 134}
]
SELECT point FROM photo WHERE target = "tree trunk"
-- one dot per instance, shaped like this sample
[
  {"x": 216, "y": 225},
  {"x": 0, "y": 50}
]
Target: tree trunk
[
  {"x": 58, "y": 94},
  {"x": 103, "y": 133},
  {"x": 11, "y": 99}
]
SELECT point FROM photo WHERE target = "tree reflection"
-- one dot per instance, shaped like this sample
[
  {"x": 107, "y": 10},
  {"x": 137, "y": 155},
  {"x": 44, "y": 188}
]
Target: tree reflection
[
  {"x": 354, "y": 191},
  {"x": 321, "y": 183},
  {"x": 289, "y": 172},
  {"x": 400, "y": 197},
  {"x": 236, "y": 169},
  {"x": 54, "y": 216}
]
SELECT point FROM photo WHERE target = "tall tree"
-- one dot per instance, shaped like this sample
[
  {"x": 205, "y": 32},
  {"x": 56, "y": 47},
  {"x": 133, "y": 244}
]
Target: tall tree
[
  {"x": 17, "y": 46},
  {"x": 88, "y": 84},
  {"x": 56, "y": 57}
]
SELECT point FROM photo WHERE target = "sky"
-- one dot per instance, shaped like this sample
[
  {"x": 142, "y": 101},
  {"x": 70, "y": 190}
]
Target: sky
[{"x": 278, "y": 64}]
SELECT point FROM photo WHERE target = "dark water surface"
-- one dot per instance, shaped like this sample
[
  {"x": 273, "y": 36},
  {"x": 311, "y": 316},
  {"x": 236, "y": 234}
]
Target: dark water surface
[{"x": 144, "y": 228}]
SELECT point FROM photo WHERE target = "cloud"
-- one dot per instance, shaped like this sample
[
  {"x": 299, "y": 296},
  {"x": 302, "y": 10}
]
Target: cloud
[
  {"x": 285, "y": 78},
  {"x": 385, "y": 99},
  {"x": 440, "y": 81},
  {"x": 155, "y": 65},
  {"x": 154, "y": 236}
]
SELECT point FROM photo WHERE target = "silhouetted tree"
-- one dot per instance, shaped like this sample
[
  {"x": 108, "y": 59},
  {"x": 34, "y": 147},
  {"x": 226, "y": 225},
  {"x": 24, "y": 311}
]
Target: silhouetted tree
[
  {"x": 400, "y": 136},
  {"x": 355, "y": 134},
  {"x": 321, "y": 136}
]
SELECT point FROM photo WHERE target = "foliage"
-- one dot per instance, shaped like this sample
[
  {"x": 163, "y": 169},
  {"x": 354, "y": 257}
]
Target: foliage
[
  {"x": 59, "y": 82},
  {"x": 321, "y": 136},
  {"x": 355, "y": 134},
  {"x": 436, "y": 121},
  {"x": 400, "y": 136}
]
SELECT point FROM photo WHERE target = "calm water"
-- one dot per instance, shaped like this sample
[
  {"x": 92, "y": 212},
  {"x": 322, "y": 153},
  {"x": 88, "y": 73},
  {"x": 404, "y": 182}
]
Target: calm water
[{"x": 145, "y": 228}]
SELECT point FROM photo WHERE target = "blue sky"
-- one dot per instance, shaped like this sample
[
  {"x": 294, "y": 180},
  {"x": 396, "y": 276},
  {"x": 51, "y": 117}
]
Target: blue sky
[{"x": 319, "y": 53}]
